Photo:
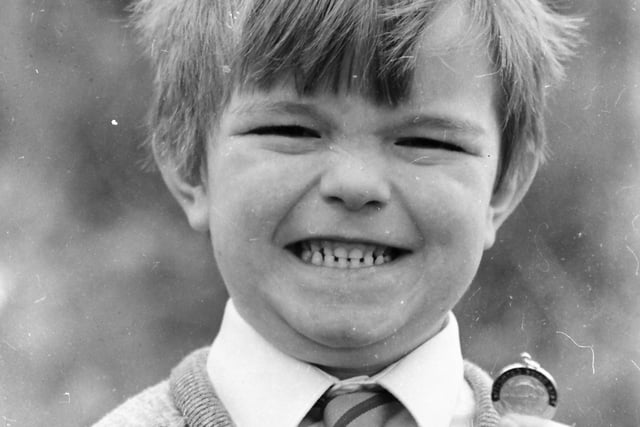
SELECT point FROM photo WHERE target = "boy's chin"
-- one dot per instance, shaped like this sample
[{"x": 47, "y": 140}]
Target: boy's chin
[
  {"x": 347, "y": 338},
  {"x": 349, "y": 353},
  {"x": 368, "y": 343},
  {"x": 368, "y": 337}
]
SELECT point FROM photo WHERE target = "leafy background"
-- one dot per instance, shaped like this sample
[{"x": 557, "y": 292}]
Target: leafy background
[{"x": 103, "y": 287}]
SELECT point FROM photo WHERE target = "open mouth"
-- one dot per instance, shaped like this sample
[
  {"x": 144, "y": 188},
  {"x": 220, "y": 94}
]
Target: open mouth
[{"x": 336, "y": 254}]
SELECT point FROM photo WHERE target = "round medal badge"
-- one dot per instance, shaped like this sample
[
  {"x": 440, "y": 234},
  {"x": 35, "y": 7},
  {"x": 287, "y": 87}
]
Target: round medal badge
[{"x": 525, "y": 388}]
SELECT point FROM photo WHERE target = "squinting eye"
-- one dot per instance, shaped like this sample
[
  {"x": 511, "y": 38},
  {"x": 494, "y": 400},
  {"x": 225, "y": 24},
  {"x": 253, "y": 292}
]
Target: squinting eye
[
  {"x": 287, "y": 131},
  {"x": 427, "y": 143}
]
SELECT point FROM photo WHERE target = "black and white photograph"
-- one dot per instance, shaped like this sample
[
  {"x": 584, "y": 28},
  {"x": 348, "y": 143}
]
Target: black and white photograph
[{"x": 320, "y": 213}]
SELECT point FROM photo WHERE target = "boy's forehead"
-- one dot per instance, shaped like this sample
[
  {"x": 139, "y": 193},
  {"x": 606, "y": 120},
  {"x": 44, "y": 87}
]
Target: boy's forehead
[
  {"x": 451, "y": 42},
  {"x": 451, "y": 28}
]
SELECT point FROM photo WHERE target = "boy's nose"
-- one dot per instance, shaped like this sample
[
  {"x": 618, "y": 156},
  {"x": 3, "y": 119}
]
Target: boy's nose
[{"x": 356, "y": 184}]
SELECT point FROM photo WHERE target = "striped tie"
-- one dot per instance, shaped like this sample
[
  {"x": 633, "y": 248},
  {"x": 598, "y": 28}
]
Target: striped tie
[{"x": 361, "y": 409}]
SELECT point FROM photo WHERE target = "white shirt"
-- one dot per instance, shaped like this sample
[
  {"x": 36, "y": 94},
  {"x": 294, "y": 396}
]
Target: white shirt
[{"x": 249, "y": 372}]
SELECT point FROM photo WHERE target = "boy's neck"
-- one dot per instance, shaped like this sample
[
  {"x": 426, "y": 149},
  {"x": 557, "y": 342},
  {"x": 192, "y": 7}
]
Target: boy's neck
[{"x": 344, "y": 373}]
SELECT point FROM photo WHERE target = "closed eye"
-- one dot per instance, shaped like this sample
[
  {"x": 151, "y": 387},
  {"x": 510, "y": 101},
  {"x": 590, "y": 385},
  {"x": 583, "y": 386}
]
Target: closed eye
[
  {"x": 288, "y": 131},
  {"x": 428, "y": 143}
]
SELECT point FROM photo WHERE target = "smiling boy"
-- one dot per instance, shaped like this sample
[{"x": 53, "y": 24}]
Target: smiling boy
[{"x": 351, "y": 161}]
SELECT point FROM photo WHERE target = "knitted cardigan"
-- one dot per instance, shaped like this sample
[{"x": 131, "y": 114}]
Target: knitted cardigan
[{"x": 187, "y": 399}]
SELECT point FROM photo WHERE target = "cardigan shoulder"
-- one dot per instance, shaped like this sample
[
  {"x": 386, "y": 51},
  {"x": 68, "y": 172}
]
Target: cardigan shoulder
[
  {"x": 152, "y": 407},
  {"x": 187, "y": 398}
]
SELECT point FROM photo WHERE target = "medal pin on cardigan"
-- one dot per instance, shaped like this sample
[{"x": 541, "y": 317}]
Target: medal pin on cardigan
[{"x": 525, "y": 388}]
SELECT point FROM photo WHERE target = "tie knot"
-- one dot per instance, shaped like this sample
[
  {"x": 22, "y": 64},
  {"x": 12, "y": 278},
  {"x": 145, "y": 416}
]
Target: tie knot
[
  {"x": 352, "y": 385},
  {"x": 371, "y": 407}
]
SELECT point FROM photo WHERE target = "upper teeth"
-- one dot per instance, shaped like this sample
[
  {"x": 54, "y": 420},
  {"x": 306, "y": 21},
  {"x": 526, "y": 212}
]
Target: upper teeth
[{"x": 343, "y": 255}]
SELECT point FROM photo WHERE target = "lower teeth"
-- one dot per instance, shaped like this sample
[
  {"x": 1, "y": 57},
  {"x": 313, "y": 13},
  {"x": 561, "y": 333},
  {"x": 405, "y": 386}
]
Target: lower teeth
[{"x": 330, "y": 261}]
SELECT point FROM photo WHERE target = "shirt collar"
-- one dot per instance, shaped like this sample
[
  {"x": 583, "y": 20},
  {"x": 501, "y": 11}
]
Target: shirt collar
[
  {"x": 429, "y": 380},
  {"x": 248, "y": 370}
]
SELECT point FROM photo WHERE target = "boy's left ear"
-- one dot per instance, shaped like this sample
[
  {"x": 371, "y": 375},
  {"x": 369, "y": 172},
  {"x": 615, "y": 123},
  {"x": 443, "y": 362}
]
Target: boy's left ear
[
  {"x": 192, "y": 197},
  {"x": 507, "y": 197}
]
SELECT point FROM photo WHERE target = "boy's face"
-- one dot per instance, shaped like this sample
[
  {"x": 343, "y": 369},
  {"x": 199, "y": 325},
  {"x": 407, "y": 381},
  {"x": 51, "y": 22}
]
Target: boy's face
[{"x": 345, "y": 231}]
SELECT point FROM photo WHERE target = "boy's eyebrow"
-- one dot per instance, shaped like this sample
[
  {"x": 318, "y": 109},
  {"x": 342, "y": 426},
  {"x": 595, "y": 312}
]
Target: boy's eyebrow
[
  {"x": 447, "y": 123},
  {"x": 282, "y": 107}
]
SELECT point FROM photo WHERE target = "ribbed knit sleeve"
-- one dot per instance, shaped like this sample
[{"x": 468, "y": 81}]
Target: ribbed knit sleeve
[
  {"x": 480, "y": 382},
  {"x": 193, "y": 394}
]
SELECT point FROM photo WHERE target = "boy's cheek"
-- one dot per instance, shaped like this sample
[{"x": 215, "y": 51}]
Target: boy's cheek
[{"x": 246, "y": 168}]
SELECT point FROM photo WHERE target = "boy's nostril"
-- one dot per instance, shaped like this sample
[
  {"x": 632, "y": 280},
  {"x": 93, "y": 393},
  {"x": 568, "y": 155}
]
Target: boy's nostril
[
  {"x": 355, "y": 190},
  {"x": 357, "y": 202}
]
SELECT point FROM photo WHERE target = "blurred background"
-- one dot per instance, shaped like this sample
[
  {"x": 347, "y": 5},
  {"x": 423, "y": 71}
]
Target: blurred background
[{"x": 103, "y": 287}]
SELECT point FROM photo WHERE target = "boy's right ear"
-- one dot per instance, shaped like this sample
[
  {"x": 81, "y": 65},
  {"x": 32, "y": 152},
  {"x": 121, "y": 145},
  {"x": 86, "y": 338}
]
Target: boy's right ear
[{"x": 191, "y": 196}]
